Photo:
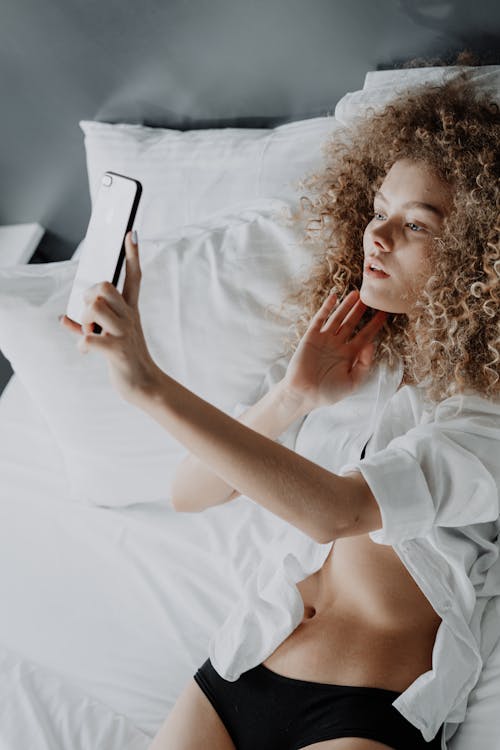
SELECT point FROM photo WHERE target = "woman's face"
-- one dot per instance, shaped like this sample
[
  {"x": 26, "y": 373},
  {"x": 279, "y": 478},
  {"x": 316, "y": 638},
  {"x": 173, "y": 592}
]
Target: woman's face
[{"x": 399, "y": 236}]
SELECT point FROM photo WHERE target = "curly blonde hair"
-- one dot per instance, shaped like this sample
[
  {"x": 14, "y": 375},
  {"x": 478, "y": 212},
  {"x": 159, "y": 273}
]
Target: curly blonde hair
[{"x": 451, "y": 344}]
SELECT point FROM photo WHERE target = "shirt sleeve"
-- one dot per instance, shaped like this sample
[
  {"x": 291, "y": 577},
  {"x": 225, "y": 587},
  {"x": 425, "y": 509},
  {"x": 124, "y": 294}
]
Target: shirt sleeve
[
  {"x": 273, "y": 375},
  {"x": 444, "y": 474}
]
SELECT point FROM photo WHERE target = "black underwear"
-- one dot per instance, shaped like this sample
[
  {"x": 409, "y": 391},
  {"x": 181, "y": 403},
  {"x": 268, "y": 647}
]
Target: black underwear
[{"x": 268, "y": 711}]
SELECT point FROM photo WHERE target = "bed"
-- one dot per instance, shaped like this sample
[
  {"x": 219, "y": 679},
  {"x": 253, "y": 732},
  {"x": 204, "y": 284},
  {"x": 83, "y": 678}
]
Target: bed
[{"x": 109, "y": 597}]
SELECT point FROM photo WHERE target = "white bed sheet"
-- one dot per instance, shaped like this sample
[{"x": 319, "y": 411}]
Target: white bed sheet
[
  {"x": 41, "y": 712},
  {"x": 106, "y": 613},
  {"x": 118, "y": 604},
  {"x": 30, "y": 458}
]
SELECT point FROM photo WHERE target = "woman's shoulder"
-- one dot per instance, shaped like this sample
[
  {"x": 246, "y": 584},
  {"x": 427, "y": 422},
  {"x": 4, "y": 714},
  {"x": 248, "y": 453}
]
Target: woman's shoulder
[
  {"x": 467, "y": 419},
  {"x": 464, "y": 427},
  {"x": 466, "y": 404},
  {"x": 473, "y": 415}
]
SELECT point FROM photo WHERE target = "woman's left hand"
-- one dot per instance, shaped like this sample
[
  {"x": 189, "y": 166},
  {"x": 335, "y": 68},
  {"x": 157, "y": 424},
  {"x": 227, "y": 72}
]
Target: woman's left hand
[{"x": 132, "y": 370}]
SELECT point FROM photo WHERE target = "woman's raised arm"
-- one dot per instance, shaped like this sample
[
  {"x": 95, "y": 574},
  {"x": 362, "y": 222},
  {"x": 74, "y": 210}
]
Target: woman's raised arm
[
  {"x": 196, "y": 487},
  {"x": 329, "y": 363}
]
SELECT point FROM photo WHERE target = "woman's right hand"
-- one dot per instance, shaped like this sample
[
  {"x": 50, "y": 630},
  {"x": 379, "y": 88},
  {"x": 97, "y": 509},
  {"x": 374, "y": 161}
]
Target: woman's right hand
[{"x": 328, "y": 364}]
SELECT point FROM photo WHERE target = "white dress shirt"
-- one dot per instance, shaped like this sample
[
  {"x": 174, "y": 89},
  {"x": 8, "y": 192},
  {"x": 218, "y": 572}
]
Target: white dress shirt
[{"x": 435, "y": 472}]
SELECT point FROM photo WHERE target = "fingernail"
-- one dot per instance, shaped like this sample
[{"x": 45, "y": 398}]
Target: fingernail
[{"x": 134, "y": 237}]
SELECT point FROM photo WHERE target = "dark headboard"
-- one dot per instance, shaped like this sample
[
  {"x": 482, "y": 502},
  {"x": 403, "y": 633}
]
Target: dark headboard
[{"x": 190, "y": 64}]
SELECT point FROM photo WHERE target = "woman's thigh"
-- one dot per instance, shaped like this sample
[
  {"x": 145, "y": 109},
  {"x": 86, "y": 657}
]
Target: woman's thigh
[
  {"x": 348, "y": 743},
  {"x": 192, "y": 724}
]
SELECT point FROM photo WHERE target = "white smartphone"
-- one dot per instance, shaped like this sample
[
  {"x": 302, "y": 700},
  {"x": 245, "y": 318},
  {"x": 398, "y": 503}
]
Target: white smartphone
[{"x": 103, "y": 249}]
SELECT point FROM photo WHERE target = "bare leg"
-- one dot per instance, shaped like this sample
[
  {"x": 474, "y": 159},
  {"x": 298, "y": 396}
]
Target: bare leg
[
  {"x": 192, "y": 724},
  {"x": 348, "y": 743}
]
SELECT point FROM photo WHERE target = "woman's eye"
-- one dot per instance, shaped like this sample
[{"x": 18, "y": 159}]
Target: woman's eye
[{"x": 414, "y": 227}]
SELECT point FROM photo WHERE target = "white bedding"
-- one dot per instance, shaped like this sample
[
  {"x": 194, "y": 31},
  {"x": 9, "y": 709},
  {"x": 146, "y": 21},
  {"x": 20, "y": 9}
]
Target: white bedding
[
  {"x": 38, "y": 710},
  {"x": 108, "y": 612}
]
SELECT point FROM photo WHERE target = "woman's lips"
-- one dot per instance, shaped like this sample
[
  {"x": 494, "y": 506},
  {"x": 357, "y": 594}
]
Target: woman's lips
[{"x": 377, "y": 274}]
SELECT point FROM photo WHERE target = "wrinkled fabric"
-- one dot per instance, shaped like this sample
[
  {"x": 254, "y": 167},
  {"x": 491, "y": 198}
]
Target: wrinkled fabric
[{"x": 434, "y": 472}]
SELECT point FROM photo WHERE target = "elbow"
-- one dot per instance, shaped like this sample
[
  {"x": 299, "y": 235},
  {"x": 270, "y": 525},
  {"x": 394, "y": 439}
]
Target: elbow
[
  {"x": 321, "y": 533},
  {"x": 181, "y": 504},
  {"x": 326, "y": 535},
  {"x": 361, "y": 514},
  {"x": 180, "y": 507},
  {"x": 180, "y": 501},
  {"x": 176, "y": 504},
  {"x": 324, "y": 538}
]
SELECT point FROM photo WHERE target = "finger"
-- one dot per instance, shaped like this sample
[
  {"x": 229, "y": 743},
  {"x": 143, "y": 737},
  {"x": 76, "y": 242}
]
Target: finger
[
  {"x": 101, "y": 313},
  {"x": 370, "y": 330},
  {"x": 110, "y": 293},
  {"x": 74, "y": 327},
  {"x": 69, "y": 324},
  {"x": 328, "y": 307},
  {"x": 91, "y": 341},
  {"x": 362, "y": 367},
  {"x": 133, "y": 272},
  {"x": 366, "y": 354},
  {"x": 347, "y": 326},
  {"x": 324, "y": 311}
]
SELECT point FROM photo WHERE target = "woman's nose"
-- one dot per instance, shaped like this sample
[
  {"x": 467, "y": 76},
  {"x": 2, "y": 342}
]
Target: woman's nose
[
  {"x": 382, "y": 239},
  {"x": 381, "y": 245}
]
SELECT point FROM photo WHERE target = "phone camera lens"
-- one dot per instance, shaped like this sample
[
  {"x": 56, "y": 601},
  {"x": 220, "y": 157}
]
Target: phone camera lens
[{"x": 107, "y": 180}]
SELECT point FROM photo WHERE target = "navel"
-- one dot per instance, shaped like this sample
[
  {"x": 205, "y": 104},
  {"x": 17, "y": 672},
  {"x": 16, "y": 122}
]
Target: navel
[{"x": 309, "y": 612}]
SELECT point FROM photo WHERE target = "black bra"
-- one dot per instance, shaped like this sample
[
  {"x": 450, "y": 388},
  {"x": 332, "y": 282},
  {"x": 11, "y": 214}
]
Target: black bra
[{"x": 364, "y": 449}]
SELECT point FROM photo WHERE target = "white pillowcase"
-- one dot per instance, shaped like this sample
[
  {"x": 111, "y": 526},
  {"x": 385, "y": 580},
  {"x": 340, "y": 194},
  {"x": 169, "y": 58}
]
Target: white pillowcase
[
  {"x": 382, "y": 86},
  {"x": 205, "y": 308},
  {"x": 187, "y": 176},
  {"x": 414, "y": 76}
]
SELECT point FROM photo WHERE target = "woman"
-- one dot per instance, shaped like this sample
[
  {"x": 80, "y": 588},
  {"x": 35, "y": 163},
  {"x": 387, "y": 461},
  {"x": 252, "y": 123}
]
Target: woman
[{"x": 365, "y": 642}]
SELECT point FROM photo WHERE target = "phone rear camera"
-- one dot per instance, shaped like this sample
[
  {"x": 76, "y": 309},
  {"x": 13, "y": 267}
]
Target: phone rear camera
[{"x": 107, "y": 180}]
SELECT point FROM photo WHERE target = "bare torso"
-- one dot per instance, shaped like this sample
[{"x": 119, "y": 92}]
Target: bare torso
[{"x": 365, "y": 622}]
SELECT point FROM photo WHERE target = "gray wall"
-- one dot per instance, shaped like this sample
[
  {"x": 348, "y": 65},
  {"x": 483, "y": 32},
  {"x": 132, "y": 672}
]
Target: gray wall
[{"x": 185, "y": 64}]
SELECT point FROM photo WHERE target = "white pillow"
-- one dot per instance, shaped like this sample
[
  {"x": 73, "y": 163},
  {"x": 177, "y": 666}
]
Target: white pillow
[
  {"x": 382, "y": 86},
  {"x": 414, "y": 76},
  {"x": 204, "y": 304},
  {"x": 187, "y": 176}
]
